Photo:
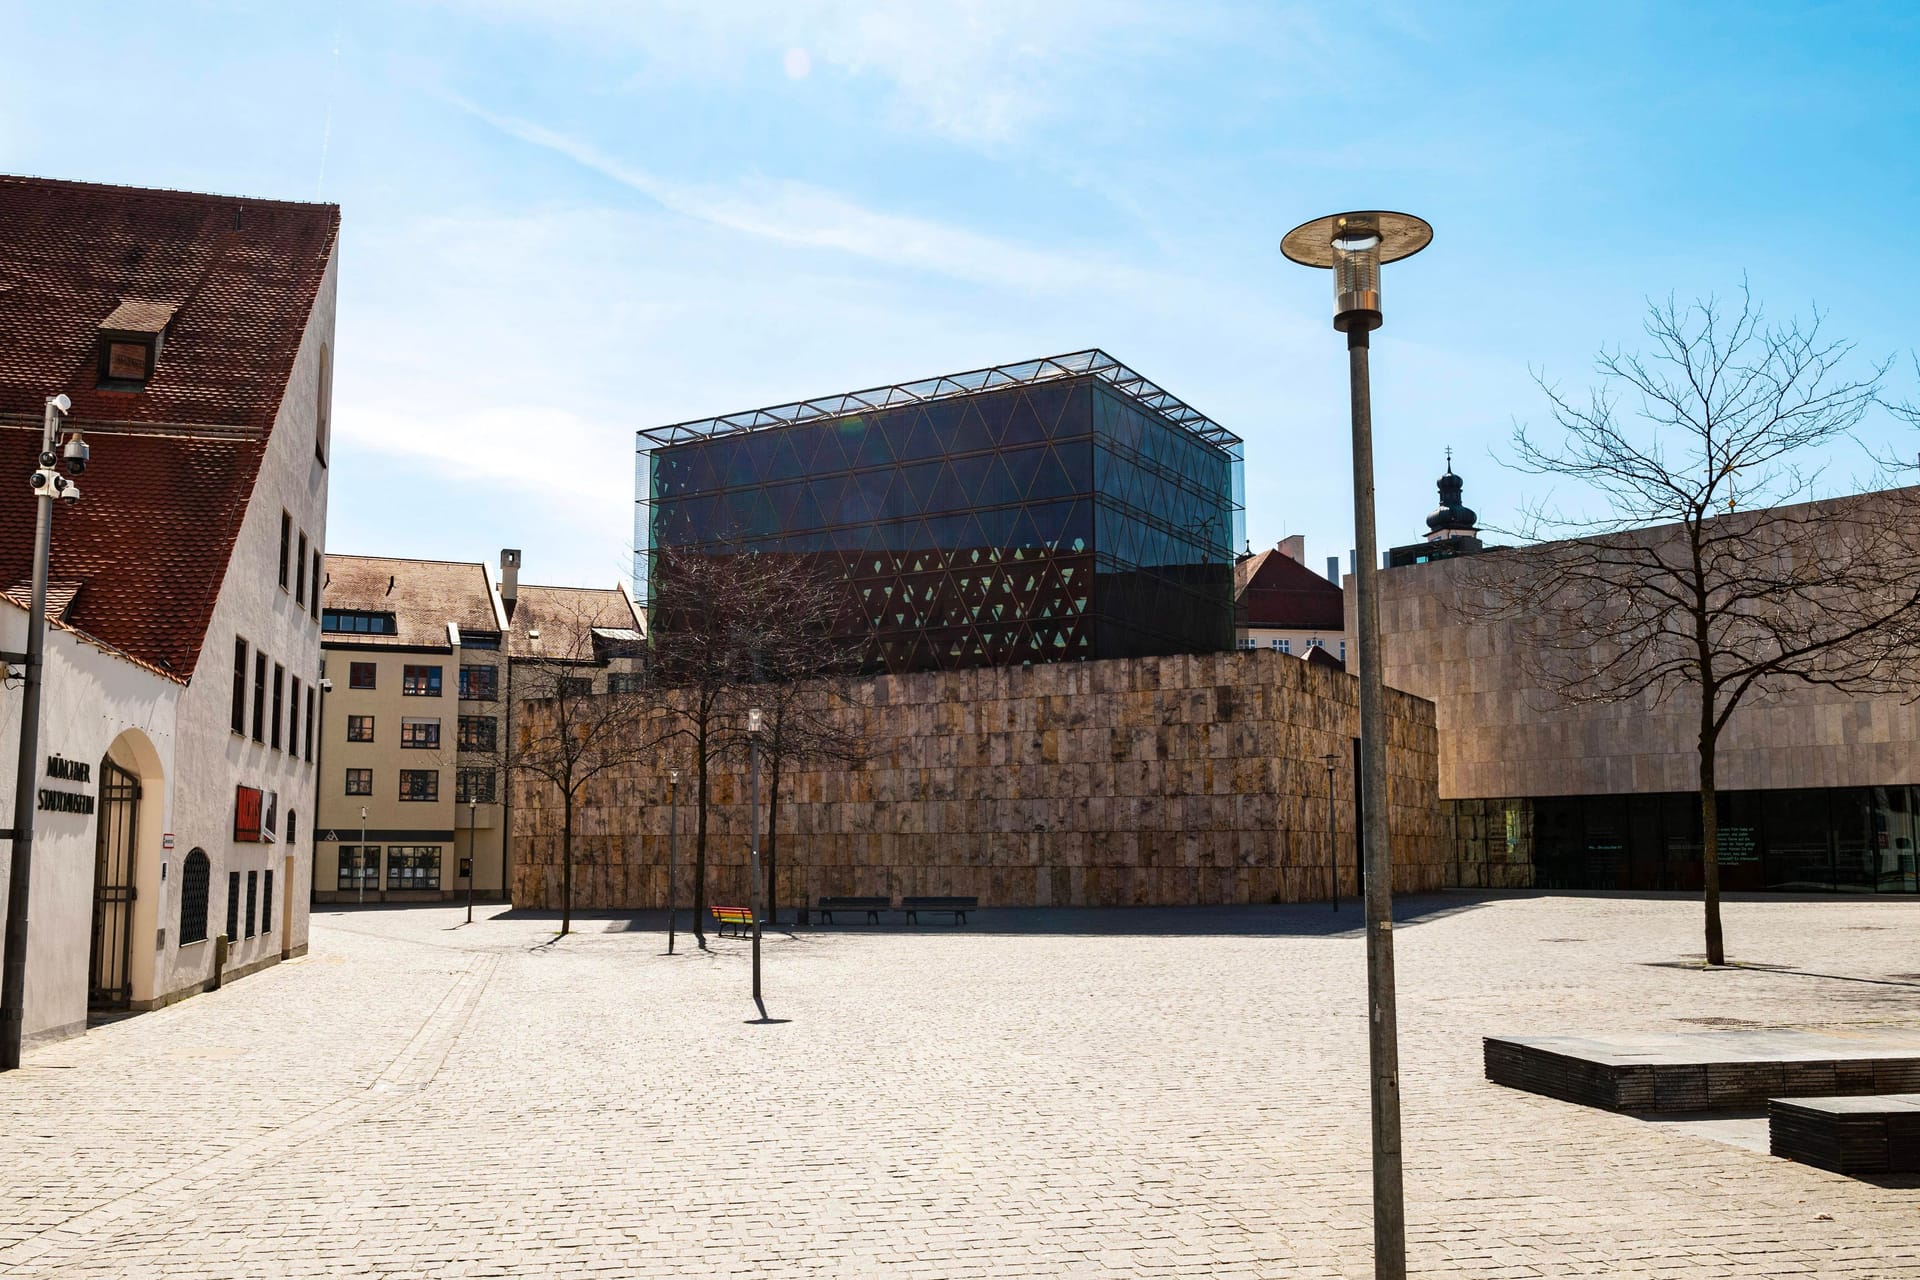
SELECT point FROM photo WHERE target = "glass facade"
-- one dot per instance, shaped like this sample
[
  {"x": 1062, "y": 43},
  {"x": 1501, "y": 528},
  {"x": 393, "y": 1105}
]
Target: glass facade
[
  {"x": 1054, "y": 520},
  {"x": 1839, "y": 839}
]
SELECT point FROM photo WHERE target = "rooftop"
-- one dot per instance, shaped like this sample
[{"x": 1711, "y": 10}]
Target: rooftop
[
  {"x": 1273, "y": 590},
  {"x": 1092, "y": 363},
  {"x": 422, "y": 595},
  {"x": 574, "y": 622}
]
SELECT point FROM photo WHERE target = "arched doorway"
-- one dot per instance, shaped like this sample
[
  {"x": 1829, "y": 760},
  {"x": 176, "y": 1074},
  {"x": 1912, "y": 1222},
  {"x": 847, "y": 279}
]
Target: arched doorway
[{"x": 116, "y": 830}]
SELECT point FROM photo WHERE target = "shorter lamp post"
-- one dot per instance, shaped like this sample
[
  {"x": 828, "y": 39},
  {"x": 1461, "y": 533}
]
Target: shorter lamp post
[
  {"x": 756, "y": 721},
  {"x": 1333, "y": 836},
  {"x": 673, "y": 850},
  {"x": 472, "y": 809},
  {"x": 360, "y": 867}
]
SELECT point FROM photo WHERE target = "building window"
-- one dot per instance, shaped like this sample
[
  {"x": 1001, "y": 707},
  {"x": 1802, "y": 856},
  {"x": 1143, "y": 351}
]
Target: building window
[
  {"x": 194, "y": 874},
  {"x": 286, "y": 548},
  {"x": 625, "y": 682},
  {"x": 420, "y": 682},
  {"x": 253, "y": 900},
  {"x": 1343, "y": 651},
  {"x": 279, "y": 702},
  {"x": 575, "y": 686},
  {"x": 363, "y": 622},
  {"x": 313, "y": 604},
  {"x": 300, "y": 572},
  {"x": 1284, "y": 646},
  {"x": 359, "y": 728},
  {"x": 413, "y": 866},
  {"x": 323, "y": 405},
  {"x": 259, "y": 697},
  {"x": 361, "y": 675},
  {"x": 419, "y": 734},
  {"x": 359, "y": 866},
  {"x": 1246, "y": 642},
  {"x": 473, "y": 786},
  {"x": 239, "y": 686},
  {"x": 1316, "y": 643},
  {"x": 126, "y": 362},
  {"x": 293, "y": 720},
  {"x": 307, "y": 740},
  {"x": 233, "y": 906},
  {"x": 293, "y": 828},
  {"x": 266, "y": 895},
  {"x": 419, "y": 784},
  {"x": 479, "y": 639},
  {"x": 479, "y": 684},
  {"x": 359, "y": 782},
  {"x": 478, "y": 733}
]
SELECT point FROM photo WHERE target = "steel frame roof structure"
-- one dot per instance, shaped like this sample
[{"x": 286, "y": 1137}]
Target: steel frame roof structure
[{"x": 1074, "y": 364}]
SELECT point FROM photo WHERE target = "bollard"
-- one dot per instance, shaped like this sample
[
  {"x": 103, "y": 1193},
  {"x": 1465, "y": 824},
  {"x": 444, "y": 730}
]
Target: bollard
[{"x": 220, "y": 944}]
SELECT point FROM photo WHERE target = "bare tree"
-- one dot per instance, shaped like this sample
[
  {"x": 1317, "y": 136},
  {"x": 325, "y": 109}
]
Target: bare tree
[
  {"x": 1749, "y": 588},
  {"x": 586, "y": 724}
]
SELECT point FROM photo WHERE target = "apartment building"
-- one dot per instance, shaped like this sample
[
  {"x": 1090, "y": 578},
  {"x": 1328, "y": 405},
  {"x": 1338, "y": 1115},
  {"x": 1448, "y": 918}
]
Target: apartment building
[
  {"x": 1282, "y": 605},
  {"x": 424, "y": 660}
]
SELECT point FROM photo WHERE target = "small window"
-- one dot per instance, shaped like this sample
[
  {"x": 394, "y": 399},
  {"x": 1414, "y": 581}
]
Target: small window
[
  {"x": 473, "y": 786},
  {"x": 259, "y": 697},
  {"x": 479, "y": 684},
  {"x": 414, "y": 866},
  {"x": 323, "y": 405},
  {"x": 359, "y": 866},
  {"x": 360, "y": 675},
  {"x": 233, "y": 906},
  {"x": 127, "y": 362},
  {"x": 240, "y": 686},
  {"x": 300, "y": 572},
  {"x": 365, "y": 622},
  {"x": 293, "y": 720},
  {"x": 307, "y": 739},
  {"x": 359, "y": 728},
  {"x": 575, "y": 686},
  {"x": 266, "y": 893},
  {"x": 253, "y": 900},
  {"x": 1343, "y": 651},
  {"x": 313, "y": 604},
  {"x": 1284, "y": 646},
  {"x": 479, "y": 639},
  {"x": 286, "y": 548},
  {"x": 279, "y": 703},
  {"x": 194, "y": 874},
  {"x": 359, "y": 782},
  {"x": 479, "y": 733},
  {"x": 293, "y": 829},
  {"x": 419, "y": 734},
  {"x": 420, "y": 682},
  {"x": 625, "y": 682},
  {"x": 419, "y": 784}
]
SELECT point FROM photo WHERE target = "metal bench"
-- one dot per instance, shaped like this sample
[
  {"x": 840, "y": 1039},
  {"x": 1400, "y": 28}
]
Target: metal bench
[
  {"x": 872, "y": 906},
  {"x": 955, "y": 907},
  {"x": 735, "y": 920}
]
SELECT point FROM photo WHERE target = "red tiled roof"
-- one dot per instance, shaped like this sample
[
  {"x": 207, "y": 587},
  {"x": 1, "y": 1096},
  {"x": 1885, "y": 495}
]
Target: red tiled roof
[
  {"x": 234, "y": 281},
  {"x": 240, "y": 274},
  {"x": 1276, "y": 591}
]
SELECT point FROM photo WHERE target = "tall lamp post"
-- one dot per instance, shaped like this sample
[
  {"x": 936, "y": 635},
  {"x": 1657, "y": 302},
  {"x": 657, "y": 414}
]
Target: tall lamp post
[
  {"x": 1355, "y": 246},
  {"x": 756, "y": 721},
  {"x": 673, "y": 850},
  {"x": 1333, "y": 837},
  {"x": 472, "y": 808},
  {"x": 360, "y": 870},
  {"x": 45, "y": 482}
]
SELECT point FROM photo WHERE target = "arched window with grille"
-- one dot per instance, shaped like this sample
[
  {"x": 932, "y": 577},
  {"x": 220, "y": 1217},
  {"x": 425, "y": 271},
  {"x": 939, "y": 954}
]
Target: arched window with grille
[{"x": 195, "y": 873}]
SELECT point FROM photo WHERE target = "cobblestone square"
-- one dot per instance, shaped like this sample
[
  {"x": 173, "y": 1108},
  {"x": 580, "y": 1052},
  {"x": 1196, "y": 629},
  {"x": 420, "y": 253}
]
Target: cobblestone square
[{"x": 1129, "y": 1093}]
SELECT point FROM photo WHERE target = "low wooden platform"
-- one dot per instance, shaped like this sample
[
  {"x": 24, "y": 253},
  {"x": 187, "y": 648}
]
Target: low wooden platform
[
  {"x": 1704, "y": 1070},
  {"x": 1848, "y": 1135}
]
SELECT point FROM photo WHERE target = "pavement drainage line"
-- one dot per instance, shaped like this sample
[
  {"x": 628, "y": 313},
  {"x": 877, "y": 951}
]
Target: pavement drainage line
[{"x": 414, "y": 1066}]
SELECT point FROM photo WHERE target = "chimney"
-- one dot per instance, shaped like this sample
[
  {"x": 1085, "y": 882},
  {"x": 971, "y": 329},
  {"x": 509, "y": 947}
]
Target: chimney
[
  {"x": 1294, "y": 548},
  {"x": 509, "y": 578},
  {"x": 1333, "y": 570}
]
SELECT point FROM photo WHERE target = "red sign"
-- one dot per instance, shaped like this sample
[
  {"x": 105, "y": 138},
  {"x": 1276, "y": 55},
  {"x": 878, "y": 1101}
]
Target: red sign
[{"x": 246, "y": 814}]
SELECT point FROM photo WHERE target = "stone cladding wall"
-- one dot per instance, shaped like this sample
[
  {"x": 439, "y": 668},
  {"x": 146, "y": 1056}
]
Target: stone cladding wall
[{"x": 1150, "y": 781}]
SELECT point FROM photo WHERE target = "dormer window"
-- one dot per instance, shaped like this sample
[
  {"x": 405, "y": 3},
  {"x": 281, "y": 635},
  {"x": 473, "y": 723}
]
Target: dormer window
[{"x": 130, "y": 341}]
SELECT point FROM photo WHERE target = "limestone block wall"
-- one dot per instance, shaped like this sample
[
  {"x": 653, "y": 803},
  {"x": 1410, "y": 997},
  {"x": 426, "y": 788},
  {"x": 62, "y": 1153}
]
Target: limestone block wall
[{"x": 1154, "y": 781}]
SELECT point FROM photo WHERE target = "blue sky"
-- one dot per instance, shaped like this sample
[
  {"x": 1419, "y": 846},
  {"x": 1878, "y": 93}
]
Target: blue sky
[{"x": 566, "y": 219}]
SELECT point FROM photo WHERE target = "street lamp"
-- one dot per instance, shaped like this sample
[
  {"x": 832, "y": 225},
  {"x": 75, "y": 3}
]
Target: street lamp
[
  {"x": 45, "y": 482},
  {"x": 360, "y": 867},
  {"x": 472, "y": 807},
  {"x": 756, "y": 721},
  {"x": 1355, "y": 246},
  {"x": 1333, "y": 838},
  {"x": 673, "y": 850}
]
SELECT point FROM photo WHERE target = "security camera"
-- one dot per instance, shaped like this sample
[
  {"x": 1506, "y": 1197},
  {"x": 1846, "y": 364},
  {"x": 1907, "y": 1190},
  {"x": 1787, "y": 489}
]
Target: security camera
[
  {"x": 66, "y": 488},
  {"x": 77, "y": 453},
  {"x": 326, "y": 686},
  {"x": 60, "y": 404}
]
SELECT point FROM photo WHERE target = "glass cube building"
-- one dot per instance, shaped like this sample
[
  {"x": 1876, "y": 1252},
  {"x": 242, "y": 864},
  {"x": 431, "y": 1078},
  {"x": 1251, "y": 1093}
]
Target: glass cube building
[{"x": 1054, "y": 510}]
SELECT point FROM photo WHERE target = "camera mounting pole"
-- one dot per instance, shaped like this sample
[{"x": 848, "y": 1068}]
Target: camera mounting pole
[{"x": 13, "y": 977}]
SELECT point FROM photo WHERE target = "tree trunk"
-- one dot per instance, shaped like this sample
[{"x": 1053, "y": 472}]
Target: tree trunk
[
  {"x": 773, "y": 860},
  {"x": 700, "y": 842},
  {"x": 566, "y": 862},
  {"x": 1710, "y": 841}
]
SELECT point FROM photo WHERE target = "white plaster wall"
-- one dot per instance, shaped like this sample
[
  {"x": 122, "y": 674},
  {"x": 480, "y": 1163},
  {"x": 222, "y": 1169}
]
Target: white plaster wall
[
  {"x": 213, "y": 760},
  {"x": 89, "y": 699}
]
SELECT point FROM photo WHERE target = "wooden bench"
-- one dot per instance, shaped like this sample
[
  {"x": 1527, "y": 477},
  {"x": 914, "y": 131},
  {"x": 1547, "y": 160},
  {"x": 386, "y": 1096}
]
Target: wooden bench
[
  {"x": 955, "y": 907},
  {"x": 735, "y": 920},
  {"x": 1848, "y": 1135},
  {"x": 872, "y": 906}
]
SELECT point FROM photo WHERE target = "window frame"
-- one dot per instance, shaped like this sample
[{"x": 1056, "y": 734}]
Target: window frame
[
  {"x": 463, "y": 741},
  {"x": 354, "y": 670},
  {"x": 241, "y": 652},
  {"x": 286, "y": 547},
  {"x": 307, "y": 740},
  {"x": 279, "y": 704},
  {"x": 194, "y": 892},
  {"x": 470, "y": 670},
  {"x": 430, "y": 678},
  {"x": 413, "y": 858},
  {"x": 300, "y": 571},
  {"x": 430, "y": 741},
  {"x": 347, "y": 883},
  {"x": 431, "y": 790},
  {"x": 364, "y": 776},
  {"x": 260, "y": 696},
  {"x": 355, "y": 723},
  {"x": 462, "y": 786}
]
